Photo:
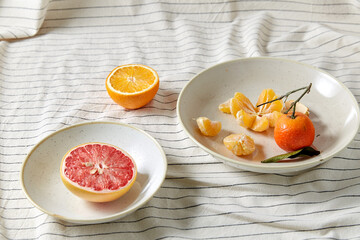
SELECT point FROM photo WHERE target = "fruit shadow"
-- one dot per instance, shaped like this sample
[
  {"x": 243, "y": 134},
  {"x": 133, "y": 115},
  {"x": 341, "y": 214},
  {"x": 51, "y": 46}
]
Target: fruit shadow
[
  {"x": 165, "y": 99},
  {"x": 322, "y": 134},
  {"x": 126, "y": 201}
]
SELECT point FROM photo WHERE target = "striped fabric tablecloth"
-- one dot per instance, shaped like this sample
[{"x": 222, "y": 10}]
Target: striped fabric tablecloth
[{"x": 55, "y": 56}]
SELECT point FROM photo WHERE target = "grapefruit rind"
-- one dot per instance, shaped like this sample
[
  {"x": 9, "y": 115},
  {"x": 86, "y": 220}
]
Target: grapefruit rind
[{"x": 93, "y": 195}]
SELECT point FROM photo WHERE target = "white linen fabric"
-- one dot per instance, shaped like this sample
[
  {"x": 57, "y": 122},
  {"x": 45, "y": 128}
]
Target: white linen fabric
[
  {"x": 21, "y": 19},
  {"x": 55, "y": 56}
]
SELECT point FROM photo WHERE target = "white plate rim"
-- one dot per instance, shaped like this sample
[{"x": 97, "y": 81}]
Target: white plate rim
[
  {"x": 269, "y": 166},
  {"x": 110, "y": 217}
]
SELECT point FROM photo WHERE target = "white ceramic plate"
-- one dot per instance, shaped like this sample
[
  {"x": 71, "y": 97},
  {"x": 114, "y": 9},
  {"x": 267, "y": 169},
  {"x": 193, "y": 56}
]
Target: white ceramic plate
[
  {"x": 41, "y": 182},
  {"x": 334, "y": 110}
]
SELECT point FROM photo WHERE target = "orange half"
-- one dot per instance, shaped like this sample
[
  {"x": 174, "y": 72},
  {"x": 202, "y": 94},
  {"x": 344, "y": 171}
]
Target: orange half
[{"x": 133, "y": 85}]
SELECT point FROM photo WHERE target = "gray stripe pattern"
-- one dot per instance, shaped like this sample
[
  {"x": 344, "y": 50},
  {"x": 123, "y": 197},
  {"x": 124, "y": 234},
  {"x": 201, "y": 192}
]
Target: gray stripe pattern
[{"x": 56, "y": 55}]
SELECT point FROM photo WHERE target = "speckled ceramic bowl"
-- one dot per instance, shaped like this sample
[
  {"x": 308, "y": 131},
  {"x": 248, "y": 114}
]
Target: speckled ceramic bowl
[
  {"x": 334, "y": 110},
  {"x": 41, "y": 182}
]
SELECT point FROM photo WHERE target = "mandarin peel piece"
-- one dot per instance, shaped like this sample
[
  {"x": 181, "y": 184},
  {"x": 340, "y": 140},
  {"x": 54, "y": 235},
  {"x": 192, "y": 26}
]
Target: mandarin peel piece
[
  {"x": 293, "y": 105},
  {"x": 299, "y": 107}
]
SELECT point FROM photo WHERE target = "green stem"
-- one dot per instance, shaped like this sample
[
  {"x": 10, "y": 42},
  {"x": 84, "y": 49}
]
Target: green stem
[
  {"x": 281, "y": 97},
  {"x": 293, "y": 105}
]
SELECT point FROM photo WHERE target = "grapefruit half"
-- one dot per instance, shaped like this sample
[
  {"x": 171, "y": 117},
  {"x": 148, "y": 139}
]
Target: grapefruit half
[{"x": 98, "y": 172}]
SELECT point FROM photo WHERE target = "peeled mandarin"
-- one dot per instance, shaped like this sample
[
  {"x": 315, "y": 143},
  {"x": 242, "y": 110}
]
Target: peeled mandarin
[
  {"x": 239, "y": 144},
  {"x": 266, "y": 96},
  {"x": 248, "y": 116}
]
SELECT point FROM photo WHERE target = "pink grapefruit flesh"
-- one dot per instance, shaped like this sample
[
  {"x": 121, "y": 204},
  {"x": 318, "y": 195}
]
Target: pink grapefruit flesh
[{"x": 98, "y": 172}]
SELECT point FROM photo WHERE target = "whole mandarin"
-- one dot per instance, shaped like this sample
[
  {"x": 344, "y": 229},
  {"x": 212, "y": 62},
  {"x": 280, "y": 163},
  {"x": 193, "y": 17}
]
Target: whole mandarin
[{"x": 292, "y": 134}]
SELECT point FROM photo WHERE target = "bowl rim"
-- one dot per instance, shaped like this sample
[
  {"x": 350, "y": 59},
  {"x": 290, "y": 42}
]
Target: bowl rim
[
  {"x": 269, "y": 166},
  {"x": 108, "y": 218}
]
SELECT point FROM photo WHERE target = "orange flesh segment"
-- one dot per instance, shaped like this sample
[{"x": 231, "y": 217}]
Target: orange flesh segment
[
  {"x": 240, "y": 101},
  {"x": 273, "y": 117},
  {"x": 244, "y": 119},
  {"x": 239, "y": 144},
  {"x": 208, "y": 127},
  {"x": 132, "y": 79},
  {"x": 225, "y": 107},
  {"x": 255, "y": 118},
  {"x": 260, "y": 124},
  {"x": 266, "y": 96}
]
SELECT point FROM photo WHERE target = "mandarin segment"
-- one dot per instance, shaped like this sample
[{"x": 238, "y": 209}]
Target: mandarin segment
[
  {"x": 207, "y": 127},
  {"x": 225, "y": 106},
  {"x": 234, "y": 106},
  {"x": 273, "y": 117},
  {"x": 245, "y": 119},
  {"x": 239, "y": 144},
  {"x": 257, "y": 119},
  {"x": 266, "y": 96},
  {"x": 260, "y": 124},
  {"x": 240, "y": 101}
]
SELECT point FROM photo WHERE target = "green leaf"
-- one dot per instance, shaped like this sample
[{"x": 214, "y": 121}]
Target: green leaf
[{"x": 306, "y": 151}]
